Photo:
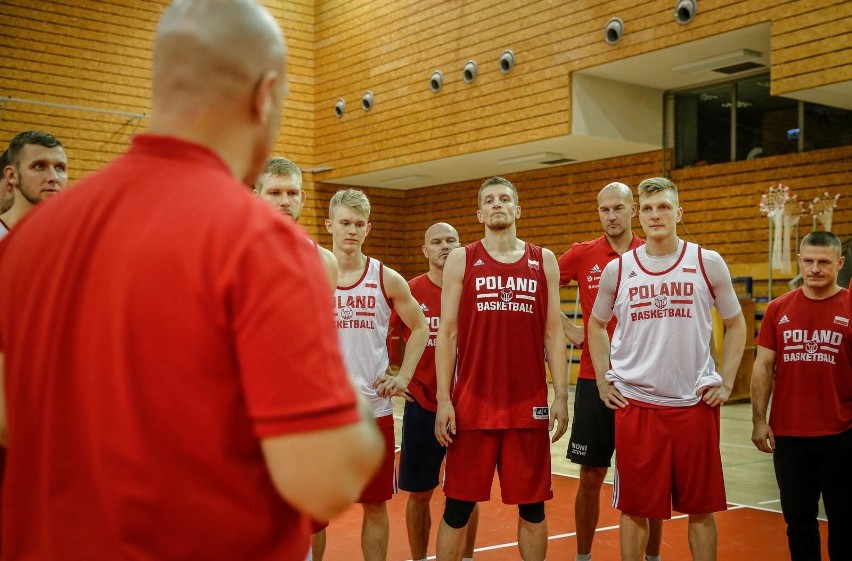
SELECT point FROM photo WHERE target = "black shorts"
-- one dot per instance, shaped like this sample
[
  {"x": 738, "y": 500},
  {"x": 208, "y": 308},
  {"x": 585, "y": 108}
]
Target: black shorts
[
  {"x": 421, "y": 455},
  {"x": 593, "y": 430}
]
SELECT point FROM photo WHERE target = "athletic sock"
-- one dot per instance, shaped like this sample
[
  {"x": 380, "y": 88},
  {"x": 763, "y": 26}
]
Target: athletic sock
[
  {"x": 652, "y": 558},
  {"x": 583, "y": 557}
]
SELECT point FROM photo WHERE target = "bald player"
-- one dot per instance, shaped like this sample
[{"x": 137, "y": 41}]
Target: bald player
[
  {"x": 37, "y": 168},
  {"x": 155, "y": 409},
  {"x": 280, "y": 184},
  {"x": 421, "y": 455}
]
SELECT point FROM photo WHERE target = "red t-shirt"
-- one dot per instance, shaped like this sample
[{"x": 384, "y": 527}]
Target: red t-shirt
[
  {"x": 500, "y": 378},
  {"x": 423, "y": 386},
  {"x": 813, "y": 372},
  {"x": 154, "y": 326},
  {"x": 584, "y": 263}
]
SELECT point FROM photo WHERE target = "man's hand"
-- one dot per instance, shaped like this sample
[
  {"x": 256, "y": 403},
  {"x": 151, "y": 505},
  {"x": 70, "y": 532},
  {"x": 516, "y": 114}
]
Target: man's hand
[
  {"x": 763, "y": 437},
  {"x": 715, "y": 395},
  {"x": 445, "y": 423},
  {"x": 388, "y": 385},
  {"x": 611, "y": 397},
  {"x": 558, "y": 417},
  {"x": 573, "y": 332}
]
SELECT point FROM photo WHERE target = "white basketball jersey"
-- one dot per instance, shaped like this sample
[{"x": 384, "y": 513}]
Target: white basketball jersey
[
  {"x": 661, "y": 345},
  {"x": 362, "y": 314}
]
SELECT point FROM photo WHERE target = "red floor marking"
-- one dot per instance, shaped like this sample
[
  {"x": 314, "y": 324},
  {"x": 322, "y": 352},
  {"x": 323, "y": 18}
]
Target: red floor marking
[{"x": 744, "y": 533}]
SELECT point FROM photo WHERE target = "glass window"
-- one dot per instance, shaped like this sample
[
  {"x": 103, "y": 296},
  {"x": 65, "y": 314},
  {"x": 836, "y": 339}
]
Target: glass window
[
  {"x": 826, "y": 127},
  {"x": 703, "y": 126},
  {"x": 742, "y": 121},
  {"x": 766, "y": 125}
]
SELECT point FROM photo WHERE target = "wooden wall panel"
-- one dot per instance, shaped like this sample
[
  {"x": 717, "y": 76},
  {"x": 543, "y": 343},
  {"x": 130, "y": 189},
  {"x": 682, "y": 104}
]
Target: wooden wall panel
[
  {"x": 97, "y": 55},
  {"x": 391, "y": 47},
  {"x": 721, "y": 203},
  {"x": 811, "y": 47}
]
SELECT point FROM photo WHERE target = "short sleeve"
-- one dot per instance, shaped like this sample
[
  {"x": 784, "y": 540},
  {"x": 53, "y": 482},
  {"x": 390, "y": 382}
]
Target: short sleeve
[
  {"x": 766, "y": 336},
  {"x": 605, "y": 300},
  {"x": 286, "y": 341},
  {"x": 568, "y": 266}
]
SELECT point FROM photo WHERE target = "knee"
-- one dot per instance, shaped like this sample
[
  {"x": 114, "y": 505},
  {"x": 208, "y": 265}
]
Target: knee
[
  {"x": 592, "y": 477},
  {"x": 420, "y": 499},
  {"x": 457, "y": 513},
  {"x": 532, "y": 512}
]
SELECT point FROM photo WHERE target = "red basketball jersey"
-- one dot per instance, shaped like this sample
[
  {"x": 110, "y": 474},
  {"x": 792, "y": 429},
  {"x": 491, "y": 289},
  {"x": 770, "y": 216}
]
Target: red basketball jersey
[{"x": 500, "y": 378}]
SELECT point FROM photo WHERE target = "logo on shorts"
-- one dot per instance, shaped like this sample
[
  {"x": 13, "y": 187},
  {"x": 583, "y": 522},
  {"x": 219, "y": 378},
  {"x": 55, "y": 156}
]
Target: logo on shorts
[{"x": 541, "y": 413}]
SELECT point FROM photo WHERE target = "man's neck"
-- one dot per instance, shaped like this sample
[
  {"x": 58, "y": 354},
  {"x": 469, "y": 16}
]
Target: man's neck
[
  {"x": 661, "y": 248},
  {"x": 820, "y": 293},
  {"x": 349, "y": 262},
  {"x": 621, "y": 243},
  {"x": 436, "y": 275},
  {"x": 17, "y": 212}
]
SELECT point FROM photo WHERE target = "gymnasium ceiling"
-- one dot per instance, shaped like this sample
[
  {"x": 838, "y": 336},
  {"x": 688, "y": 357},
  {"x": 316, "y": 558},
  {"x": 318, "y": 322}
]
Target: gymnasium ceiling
[{"x": 655, "y": 70}]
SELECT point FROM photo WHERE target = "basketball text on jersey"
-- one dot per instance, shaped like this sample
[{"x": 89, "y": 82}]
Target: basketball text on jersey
[
  {"x": 497, "y": 293},
  {"x": 663, "y": 297},
  {"x": 355, "y": 312},
  {"x": 819, "y": 345}
]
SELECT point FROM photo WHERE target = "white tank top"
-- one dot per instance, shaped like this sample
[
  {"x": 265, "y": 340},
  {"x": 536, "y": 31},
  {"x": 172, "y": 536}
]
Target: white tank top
[
  {"x": 362, "y": 314},
  {"x": 661, "y": 345}
]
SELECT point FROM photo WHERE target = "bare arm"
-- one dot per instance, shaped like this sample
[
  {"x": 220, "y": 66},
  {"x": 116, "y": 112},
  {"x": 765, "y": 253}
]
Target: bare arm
[
  {"x": 554, "y": 346},
  {"x": 732, "y": 348},
  {"x": 446, "y": 344},
  {"x": 412, "y": 316},
  {"x": 762, "y": 383},
  {"x": 573, "y": 332},
  {"x": 342, "y": 462},
  {"x": 329, "y": 262},
  {"x": 597, "y": 337}
]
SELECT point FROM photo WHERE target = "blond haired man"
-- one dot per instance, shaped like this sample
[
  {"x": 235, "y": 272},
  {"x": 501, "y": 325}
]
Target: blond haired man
[{"x": 366, "y": 293}]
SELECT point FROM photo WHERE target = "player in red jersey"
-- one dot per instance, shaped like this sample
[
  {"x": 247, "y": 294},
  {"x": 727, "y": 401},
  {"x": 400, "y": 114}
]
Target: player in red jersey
[
  {"x": 421, "y": 455},
  {"x": 500, "y": 315},
  {"x": 660, "y": 377},
  {"x": 367, "y": 291},
  {"x": 804, "y": 363},
  {"x": 162, "y": 386},
  {"x": 592, "y": 440},
  {"x": 7, "y": 193}
]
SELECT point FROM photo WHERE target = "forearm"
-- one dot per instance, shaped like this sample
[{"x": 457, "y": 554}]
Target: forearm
[
  {"x": 557, "y": 359},
  {"x": 599, "y": 348},
  {"x": 413, "y": 352},
  {"x": 761, "y": 391},
  {"x": 733, "y": 347},
  {"x": 445, "y": 362}
]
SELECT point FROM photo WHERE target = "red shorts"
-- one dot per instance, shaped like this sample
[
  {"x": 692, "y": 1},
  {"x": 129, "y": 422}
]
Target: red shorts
[
  {"x": 667, "y": 457},
  {"x": 521, "y": 457},
  {"x": 383, "y": 485}
]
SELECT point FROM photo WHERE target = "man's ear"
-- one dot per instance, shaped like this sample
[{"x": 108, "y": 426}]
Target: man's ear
[{"x": 264, "y": 98}]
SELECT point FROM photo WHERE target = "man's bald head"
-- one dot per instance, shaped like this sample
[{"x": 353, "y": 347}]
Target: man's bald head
[
  {"x": 219, "y": 79},
  {"x": 615, "y": 209},
  {"x": 439, "y": 241},
  {"x": 617, "y": 189},
  {"x": 209, "y": 49}
]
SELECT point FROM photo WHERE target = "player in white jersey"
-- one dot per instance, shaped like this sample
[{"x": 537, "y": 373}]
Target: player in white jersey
[
  {"x": 662, "y": 382},
  {"x": 366, "y": 292}
]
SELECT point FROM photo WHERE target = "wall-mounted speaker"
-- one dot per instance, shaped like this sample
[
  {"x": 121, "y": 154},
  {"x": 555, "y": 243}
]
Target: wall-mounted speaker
[
  {"x": 614, "y": 31},
  {"x": 469, "y": 72}
]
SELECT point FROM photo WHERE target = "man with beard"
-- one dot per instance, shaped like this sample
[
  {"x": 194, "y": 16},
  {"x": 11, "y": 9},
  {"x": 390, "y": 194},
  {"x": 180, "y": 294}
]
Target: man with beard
[
  {"x": 500, "y": 316},
  {"x": 37, "y": 168},
  {"x": 280, "y": 184}
]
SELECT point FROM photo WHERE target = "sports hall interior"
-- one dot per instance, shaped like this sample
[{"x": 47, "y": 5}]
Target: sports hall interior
[{"x": 726, "y": 97}]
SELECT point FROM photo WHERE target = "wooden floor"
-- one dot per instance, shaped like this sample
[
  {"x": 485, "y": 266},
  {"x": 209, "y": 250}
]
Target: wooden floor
[{"x": 751, "y": 529}]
